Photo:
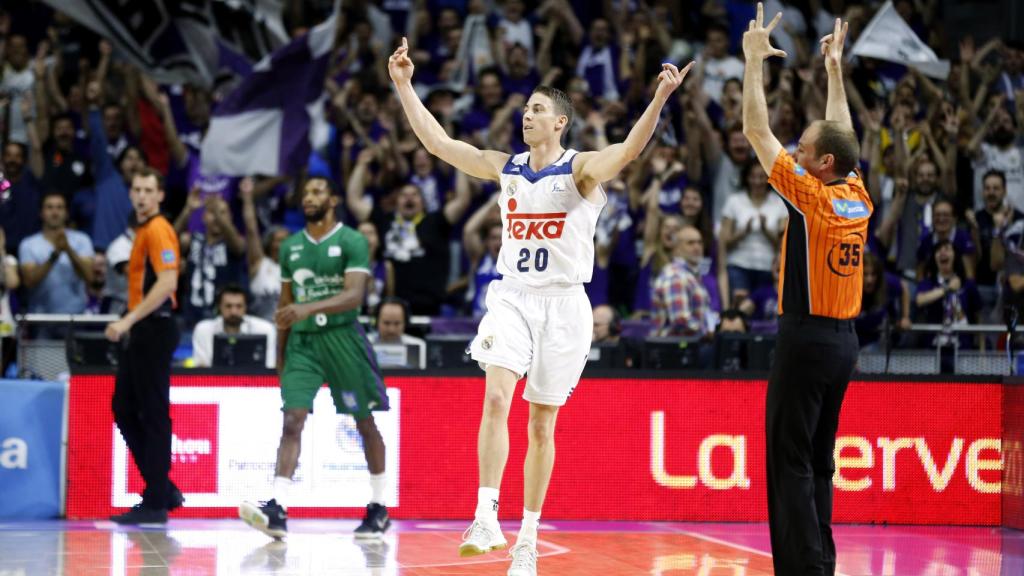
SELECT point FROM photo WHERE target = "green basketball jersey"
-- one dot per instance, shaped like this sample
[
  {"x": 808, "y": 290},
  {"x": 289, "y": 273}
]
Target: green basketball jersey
[{"x": 316, "y": 271}]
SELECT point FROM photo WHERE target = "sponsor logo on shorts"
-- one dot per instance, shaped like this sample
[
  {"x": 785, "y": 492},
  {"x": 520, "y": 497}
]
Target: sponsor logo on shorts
[
  {"x": 487, "y": 343},
  {"x": 350, "y": 401}
]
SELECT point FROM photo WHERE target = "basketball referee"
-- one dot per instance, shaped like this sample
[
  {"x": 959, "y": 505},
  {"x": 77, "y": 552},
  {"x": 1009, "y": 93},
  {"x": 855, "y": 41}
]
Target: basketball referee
[
  {"x": 142, "y": 391},
  {"x": 820, "y": 288}
]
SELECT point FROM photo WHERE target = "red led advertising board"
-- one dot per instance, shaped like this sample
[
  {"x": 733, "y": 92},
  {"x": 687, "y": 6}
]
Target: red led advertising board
[{"x": 627, "y": 449}]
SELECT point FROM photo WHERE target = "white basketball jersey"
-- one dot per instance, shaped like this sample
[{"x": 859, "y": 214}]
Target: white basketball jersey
[{"x": 548, "y": 227}]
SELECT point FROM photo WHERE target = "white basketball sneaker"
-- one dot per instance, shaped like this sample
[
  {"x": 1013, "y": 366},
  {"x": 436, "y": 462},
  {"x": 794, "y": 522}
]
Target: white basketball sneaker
[
  {"x": 524, "y": 560},
  {"x": 481, "y": 538}
]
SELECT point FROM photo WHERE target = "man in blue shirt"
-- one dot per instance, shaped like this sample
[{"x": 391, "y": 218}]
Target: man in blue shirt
[{"x": 56, "y": 264}]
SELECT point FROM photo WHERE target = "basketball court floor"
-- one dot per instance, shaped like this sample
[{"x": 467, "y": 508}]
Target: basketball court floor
[{"x": 322, "y": 547}]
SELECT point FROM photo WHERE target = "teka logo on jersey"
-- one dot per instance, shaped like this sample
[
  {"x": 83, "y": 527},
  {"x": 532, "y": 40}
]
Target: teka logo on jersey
[
  {"x": 536, "y": 226},
  {"x": 194, "y": 449}
]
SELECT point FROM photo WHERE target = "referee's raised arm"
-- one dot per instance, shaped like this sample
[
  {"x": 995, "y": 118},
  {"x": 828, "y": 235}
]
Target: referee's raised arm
[{"x": 757, "y": 48}]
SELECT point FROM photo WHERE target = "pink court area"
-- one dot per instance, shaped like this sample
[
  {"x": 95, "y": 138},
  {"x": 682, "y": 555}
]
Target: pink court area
[{"x": 321, "y": 547}]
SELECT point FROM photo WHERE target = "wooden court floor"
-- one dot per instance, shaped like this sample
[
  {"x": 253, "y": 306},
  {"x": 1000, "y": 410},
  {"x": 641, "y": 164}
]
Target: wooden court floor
[{"x": 316, "y": 547}]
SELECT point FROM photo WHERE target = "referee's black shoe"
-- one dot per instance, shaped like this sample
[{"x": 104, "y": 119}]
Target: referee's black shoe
[
  {"x": 140, "y": 515},
  {"x": 176, "y": 498},
  {"x": 375, "y": 523}
]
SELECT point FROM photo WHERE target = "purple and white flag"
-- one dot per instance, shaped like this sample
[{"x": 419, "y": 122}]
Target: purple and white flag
[
  {"x": 183, "y": 41},
  {"x": 888, "y": 37},
  {"x": 264, "y": 125}
]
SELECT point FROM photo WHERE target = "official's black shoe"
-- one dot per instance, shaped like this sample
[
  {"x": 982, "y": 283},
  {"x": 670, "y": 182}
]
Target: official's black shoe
[
  {"x": 176, "y": 499},
  {"x": 268, "y": 517},
  {"x": 140, "y": 514},
  {"x": 375, "y": 523}
]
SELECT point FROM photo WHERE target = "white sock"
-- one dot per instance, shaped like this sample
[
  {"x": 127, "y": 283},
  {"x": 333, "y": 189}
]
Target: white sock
[
  {"x": 487, "y": 505},
  {"x": 528, "y": 531},
  {"x": 282, "y": 489},
  {"x": 378, "y": 482}
]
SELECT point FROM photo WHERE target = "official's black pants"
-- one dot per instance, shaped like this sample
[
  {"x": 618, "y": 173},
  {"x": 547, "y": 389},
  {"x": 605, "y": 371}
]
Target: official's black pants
[
  {"x": 814, "y": 358},
  {"x": 142, "y": 403}
]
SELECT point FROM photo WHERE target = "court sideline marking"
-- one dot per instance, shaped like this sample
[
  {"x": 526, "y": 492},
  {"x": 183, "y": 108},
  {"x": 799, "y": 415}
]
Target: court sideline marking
[
  {"x": 748, "y": 549},
  {"x": 556, "y": 550}
]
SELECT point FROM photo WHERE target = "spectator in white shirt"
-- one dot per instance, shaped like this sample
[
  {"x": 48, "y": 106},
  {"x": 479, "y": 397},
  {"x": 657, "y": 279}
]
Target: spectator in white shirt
[
  {"x": 751, "y": 226},
  {"x": 995, "y": 146},
  {"x": 231, "y": 319}
]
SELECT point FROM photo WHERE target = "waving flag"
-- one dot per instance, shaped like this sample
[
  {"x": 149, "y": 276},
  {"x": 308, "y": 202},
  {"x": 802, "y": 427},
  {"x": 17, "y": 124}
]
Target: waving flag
[
  {"x": 177, "y": 42},
  {"x": 888, "y": 37},
  {"x": 264, "y": 125}
]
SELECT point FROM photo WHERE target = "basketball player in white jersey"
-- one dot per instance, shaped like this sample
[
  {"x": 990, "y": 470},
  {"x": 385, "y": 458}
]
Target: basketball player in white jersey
[{"x": 539, "y": 321}]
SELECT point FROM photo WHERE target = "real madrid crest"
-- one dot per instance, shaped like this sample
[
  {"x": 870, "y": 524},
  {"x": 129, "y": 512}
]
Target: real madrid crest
[
  {"x": 511, "y": 189},
  {"x": 487, "y": 343}
]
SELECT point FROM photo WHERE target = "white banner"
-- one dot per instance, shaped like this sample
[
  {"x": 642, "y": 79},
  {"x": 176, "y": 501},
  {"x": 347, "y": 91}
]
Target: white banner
[
  {"x": 225, "y": 447},
  {"x": 888, "y": 37}
]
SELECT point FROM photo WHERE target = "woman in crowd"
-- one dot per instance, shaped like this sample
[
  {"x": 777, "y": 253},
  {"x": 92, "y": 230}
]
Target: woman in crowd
[
  {"x": 751, "y": 226},
  {"x": 946, "y": 295},
  {"x": 382, "y": 271},
  {"x": 886, "y": 302},
  {"x": 262, "y": 255}
]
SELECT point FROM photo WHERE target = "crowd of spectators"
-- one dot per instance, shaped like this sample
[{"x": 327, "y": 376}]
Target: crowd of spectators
[{"x": 690, "y": 232}]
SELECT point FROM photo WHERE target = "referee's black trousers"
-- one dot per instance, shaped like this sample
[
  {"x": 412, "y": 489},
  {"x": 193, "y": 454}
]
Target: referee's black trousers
[
  {"x": 142, "y": 403},
  {"x": 814, "y": 358}
]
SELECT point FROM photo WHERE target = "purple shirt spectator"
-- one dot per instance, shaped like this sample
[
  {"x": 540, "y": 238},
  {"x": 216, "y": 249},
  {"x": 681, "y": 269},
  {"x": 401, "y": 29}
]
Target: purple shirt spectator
[{"x": 961, "y": 242}]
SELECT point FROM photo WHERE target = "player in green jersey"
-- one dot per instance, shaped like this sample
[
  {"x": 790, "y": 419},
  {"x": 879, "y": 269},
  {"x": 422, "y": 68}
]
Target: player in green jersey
[{"x": 324, "y": 271}]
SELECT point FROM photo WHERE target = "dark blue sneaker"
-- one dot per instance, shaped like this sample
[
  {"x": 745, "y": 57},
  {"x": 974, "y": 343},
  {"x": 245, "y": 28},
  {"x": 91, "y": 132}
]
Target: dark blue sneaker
[
  {"x": 268, "y": 517},
  {"x": 375, "y": 523}
]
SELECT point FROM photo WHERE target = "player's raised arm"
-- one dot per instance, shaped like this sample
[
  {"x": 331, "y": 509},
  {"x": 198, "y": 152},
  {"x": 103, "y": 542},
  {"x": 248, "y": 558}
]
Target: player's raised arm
[
  {"x": 757, "y": 48},
  {"x": 592, "y": 168},
  {"x": 486, "y": 164},
  {"x": 836, "y": 107}
]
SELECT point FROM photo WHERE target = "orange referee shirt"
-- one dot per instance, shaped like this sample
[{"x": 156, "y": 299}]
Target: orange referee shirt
[
  {"x": 821, "y": 269},
  {"x": 155, "y": 249}
]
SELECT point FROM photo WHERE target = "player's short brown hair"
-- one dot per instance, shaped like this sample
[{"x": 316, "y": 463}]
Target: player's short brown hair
[
  {"x": 562, "y": 102},
  {"x": 841, "y": 142}
]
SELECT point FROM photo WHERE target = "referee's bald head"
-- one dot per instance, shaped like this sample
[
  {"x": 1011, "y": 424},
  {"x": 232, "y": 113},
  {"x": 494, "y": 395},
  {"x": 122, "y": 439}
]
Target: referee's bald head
[{"x": 828, "y": 150}]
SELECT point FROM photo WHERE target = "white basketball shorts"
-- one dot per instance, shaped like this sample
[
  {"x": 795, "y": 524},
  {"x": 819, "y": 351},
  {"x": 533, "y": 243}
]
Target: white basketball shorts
[{"x": 543, "y": 333}]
